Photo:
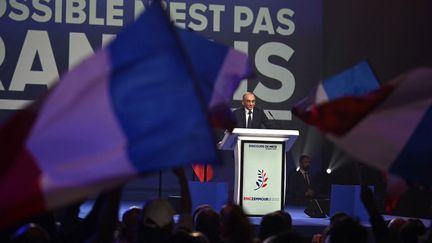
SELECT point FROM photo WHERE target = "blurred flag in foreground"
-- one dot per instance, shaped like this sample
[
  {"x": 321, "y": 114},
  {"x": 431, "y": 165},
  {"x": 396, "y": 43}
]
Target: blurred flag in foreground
[
  {"x": 389, "y": 128},
  {"x": 136, "y": 106},
  {"x": 217, "y": 86},
  {"x": 355, "y": 81}
]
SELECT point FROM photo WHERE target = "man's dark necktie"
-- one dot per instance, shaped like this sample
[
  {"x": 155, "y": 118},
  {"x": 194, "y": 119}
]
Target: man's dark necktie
[
  {"x": 249, "y": 121},
  {"x": 306, "y": 176}
]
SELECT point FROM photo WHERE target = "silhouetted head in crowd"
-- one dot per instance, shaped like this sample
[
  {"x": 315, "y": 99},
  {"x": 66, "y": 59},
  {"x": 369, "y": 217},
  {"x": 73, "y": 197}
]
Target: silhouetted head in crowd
[
  {"x": 198, "y": 209},
  {"x": 274, "y": 223},
  {"x": 130, "y": 223},
  {"x": 395, "y": 225},
  {"x": 338, "y": 216},
  {"x": 427, "y": 238},
  {"x": 333, "y": 219},
  {"x": 235, "y": 224},
  {"x": 207, "y": 221},
  {"x": 347, "y": 229},
  {"x": 412, "y": 230},
  {"x": 285, "y": 237},
  {"x": 287, "y": 217},
  {"x": 130, "y": 216},
  {"x": 31, "y": 233},
  {"x": 155, "y": 223}
]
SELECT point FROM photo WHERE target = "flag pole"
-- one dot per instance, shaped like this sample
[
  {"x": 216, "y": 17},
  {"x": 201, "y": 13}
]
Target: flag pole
[
  {"x": 358, "y": 172},
  {"x": 160, "y": 184}
]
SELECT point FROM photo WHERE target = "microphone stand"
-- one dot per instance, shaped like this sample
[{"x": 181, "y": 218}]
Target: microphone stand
[
  {"x": 160, "y": 184},
  {"x": 274, "y": 120}
]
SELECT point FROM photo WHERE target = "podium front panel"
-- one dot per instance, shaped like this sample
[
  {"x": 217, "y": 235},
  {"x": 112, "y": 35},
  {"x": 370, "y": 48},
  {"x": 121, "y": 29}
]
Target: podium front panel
[{"x": 262, "y": 184}]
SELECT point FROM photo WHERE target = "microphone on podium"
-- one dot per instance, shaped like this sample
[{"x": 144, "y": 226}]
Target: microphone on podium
[
  {"x": 271, "y": 115},
  {"x": 274, "y": 120}
]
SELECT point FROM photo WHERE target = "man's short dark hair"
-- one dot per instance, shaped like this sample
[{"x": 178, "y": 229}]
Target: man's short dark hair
[{"x": 304, "y": 157}]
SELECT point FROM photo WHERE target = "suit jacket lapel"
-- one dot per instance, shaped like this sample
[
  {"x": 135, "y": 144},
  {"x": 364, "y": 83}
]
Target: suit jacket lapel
[
  {"x": 255, "y": 119},
  {"x": 243, "y": 118}
]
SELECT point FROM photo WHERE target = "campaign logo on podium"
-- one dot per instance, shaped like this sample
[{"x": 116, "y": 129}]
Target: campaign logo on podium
[
  {"x": 262, "y": 179},
  {"x": 262, "y": 173}
]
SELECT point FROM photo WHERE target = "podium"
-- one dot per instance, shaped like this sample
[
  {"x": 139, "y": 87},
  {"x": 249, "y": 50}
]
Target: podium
[{"x": 260, "y": 160}]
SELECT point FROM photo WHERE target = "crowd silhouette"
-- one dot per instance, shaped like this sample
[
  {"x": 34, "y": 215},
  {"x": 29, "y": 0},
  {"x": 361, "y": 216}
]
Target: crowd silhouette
[{"x": 154, "y": 222}]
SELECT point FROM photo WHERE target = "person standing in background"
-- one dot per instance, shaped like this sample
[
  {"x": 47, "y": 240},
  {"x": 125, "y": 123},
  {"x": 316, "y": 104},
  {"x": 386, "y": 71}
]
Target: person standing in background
[{"x": 300, "y": 184}]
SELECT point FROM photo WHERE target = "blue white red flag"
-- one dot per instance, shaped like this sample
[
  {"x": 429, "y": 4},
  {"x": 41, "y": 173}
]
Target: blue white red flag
[
  {"x": 130, "y": 108},
  {"x": 355, "y": 81},
  {"x": 394, "y": 135},
  {"x": 388, "y": 128}
]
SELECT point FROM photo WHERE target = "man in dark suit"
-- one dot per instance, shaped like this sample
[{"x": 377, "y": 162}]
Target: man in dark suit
[
  {"x": 249, "y": 116},
  {"x": 300, "y": 184}
]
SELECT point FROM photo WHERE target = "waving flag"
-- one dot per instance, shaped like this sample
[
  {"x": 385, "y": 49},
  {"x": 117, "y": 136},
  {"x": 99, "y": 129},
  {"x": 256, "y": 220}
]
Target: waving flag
[
  {"x": 136, "y": 106},
  {"x": 388, "y": 128},
  {"x": 218, "y": 87},
  {"x": 355, "y": 81},
  {"x": 394, "y": 136}
]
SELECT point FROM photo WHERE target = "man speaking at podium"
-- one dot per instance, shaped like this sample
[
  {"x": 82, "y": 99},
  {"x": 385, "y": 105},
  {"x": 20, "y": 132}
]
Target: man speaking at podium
[{"x": 249, "y": 116}]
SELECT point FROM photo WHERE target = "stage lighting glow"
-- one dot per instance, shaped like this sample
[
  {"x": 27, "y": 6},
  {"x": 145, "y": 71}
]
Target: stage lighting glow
[
  {"x": 329, "y": 171},
  {"x": 309, "y": 143},
  {"x": 338, "y": 159},
  {"x": 312, "y": 142},
  {"x": 298, "y": 168}
]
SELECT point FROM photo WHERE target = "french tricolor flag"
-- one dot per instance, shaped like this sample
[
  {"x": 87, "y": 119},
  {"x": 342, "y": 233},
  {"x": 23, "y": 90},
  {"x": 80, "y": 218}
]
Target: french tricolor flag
[
  {"x": 143, "y": 103},
  {"x": 388, "y": 128},
  {"x": 355, "y": 81},
  {"x": 395, "y": 135}
]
